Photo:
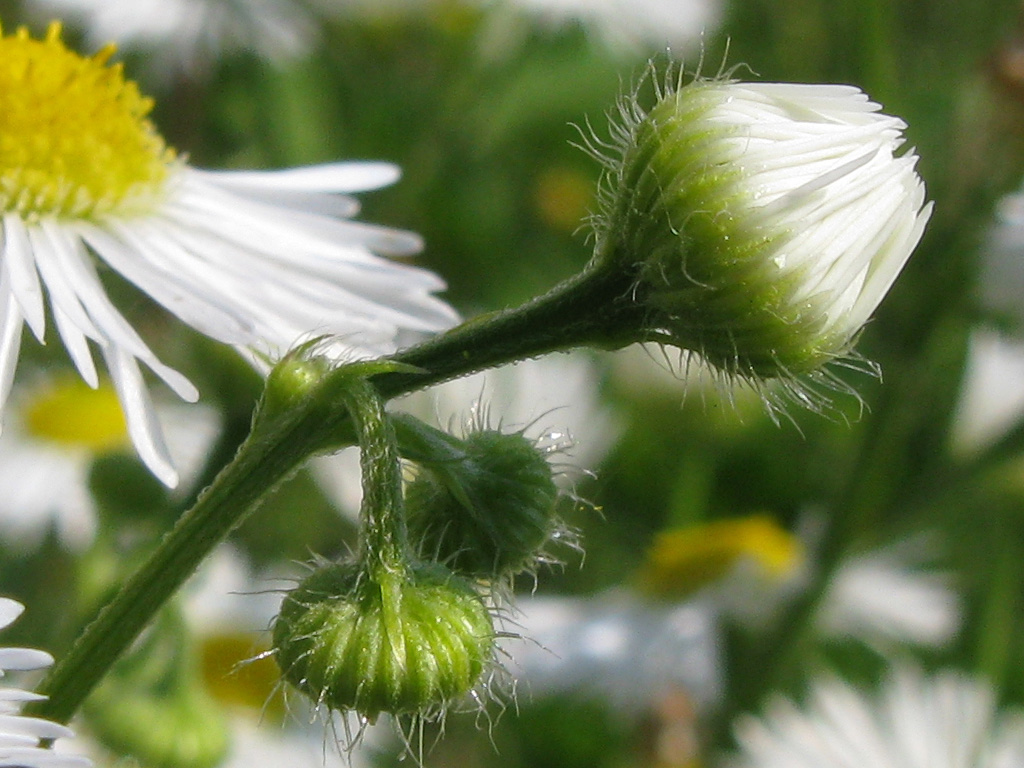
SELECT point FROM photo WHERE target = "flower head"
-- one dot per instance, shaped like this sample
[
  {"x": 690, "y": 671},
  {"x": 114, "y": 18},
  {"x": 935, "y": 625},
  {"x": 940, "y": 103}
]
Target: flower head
[
  {"x": 398, "y": 643},
  {"x": 948, "y": 720},
  {"x": 764, "y": 222},
  {"x": 20, "y": 735},
  {"x": 258, "y": 260}
]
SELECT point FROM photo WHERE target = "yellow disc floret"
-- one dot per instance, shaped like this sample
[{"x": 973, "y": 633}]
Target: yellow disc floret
[
  {"x": 683, "y": 560},
  {"x": 74, "y": 138},
  {"x": 71, "y": 414}
]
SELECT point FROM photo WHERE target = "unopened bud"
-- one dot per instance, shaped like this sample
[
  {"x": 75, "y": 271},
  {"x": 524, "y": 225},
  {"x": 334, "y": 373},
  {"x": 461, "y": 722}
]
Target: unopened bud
[
  {"x": 488, "y": 514},
  {"x": 398, "y": 642}
]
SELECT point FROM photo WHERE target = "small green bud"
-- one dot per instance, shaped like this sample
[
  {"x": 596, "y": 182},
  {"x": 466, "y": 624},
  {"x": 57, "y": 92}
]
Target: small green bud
[
  {"x": 293, "y": 379},
  {"x": 488, "y": 514},
  {"x": 763, "y": 222},
  {"x": 403, "y": 642}
]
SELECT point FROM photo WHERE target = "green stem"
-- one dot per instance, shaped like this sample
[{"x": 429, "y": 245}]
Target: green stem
[
  {"x": 263, "y": 460},
  {"x": 593, "y": 308},
  {"x": 383, "y": 533}
]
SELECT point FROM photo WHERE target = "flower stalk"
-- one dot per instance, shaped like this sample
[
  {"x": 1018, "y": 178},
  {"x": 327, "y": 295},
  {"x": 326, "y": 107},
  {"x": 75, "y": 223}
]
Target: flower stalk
[{"x": 303, "y": 412}]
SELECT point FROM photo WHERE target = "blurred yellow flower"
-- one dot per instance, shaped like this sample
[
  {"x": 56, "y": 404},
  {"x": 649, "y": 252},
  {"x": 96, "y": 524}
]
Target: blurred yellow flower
[{"x": 683, "y": 560}]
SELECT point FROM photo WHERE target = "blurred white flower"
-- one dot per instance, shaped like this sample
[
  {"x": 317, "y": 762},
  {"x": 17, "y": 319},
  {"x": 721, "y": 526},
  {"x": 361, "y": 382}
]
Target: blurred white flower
[
  {"x": 20, "y": 735},
  {"x": 992, "y": 393},
  {"x": 189, "y": 35},
  {"x": 883, "y": 597},
  {"x": 259, "y": 260},
  {"x": 626, "y": 650},
  {"x": 948, "y": 720},
  {"x": 55, "y": 430},
  {"x": 554, "y": 399},
  {"x": 1001, "y": 283},
  {"x": 633, "y": 25}
]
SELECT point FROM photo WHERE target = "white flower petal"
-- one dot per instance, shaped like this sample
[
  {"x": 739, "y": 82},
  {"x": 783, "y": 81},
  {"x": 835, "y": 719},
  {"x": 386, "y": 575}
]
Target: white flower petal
[
  {"x": 330, "y": 177},
  {"x": 20, "y": 266},
  {"x": 59, "y": 287},
  {"x": 10, "y": 610},
  {"x": 11, "y": 324},
  {"x": 77, "y": 347},
  {"x": 24, "y": 659},
  {"x": 140, "y": 417},
  {"x": 191, "y": 302}
]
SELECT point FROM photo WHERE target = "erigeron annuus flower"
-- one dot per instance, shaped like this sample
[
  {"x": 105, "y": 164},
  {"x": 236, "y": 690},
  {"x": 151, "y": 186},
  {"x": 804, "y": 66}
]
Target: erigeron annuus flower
[
  {"x": 763, "y": 222},
  {"x": 914, "y": 720},
  {"x": 21, "y": 736},
  {"x": 56, "y": 428},
  {"x": 257, "y": 260}
]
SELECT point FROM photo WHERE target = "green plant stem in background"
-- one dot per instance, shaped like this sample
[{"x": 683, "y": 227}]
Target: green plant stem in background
[{"x": 306, "y": 414}]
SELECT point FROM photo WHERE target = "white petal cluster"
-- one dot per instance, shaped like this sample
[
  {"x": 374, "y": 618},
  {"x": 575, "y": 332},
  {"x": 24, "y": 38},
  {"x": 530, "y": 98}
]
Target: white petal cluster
[
  {"x": 883, "y": 597},
  {"x": 20, "y": 735},
  {"x": 765, "y": 221},
  {"x": 189, "y": 35},
  {"x": 948, "y": 720},
  {"x": 821, "y": 167},
  {"x": 259, "y": 260}
]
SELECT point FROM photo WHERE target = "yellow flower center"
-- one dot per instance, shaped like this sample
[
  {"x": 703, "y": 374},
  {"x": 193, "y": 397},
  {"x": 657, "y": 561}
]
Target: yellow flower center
[
  {"x": 74, "y": 138},
  {"x": 71, "y": 414},
  {"x": 681, "y": 561}
]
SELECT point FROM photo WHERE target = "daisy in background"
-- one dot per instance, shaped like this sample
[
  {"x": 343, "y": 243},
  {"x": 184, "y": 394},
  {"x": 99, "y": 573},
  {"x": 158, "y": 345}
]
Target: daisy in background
[
  {"x": 21, "y": 736},
  {"x": 914, "y": 720},
  {"x": 56, "y": 428},
  {"x": 188, "y": 36},
  {"x": 886, "y": 597},
  {"x": 992, "y": 392},
  {"x": 628, "y": 25},
  {"x": 258, "y": 260}
]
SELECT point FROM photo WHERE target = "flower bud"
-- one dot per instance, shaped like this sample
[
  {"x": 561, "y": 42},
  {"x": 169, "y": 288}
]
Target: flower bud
[
  {"x": 764, "y": 221},
  {"x": 398, "y": 642},
  {"x": 488, "y": 514}
]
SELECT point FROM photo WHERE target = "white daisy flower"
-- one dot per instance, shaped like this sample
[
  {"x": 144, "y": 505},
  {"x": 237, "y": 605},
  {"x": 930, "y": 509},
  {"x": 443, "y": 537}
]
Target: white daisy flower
[
  {"x": 189, "y": 35},
  {"x": 20, "y": 735},
  {"x": 948, "y": 720},
  {"x": 763, "y": 222},
  {"x": 56, "y": 430},
  {"x": 259, "y": 260}
]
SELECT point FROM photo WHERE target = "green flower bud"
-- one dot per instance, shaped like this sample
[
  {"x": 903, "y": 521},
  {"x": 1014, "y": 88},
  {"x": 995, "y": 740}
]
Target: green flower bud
[
  {"x": 489, "y": 513},
  {"x": 405, "y": 642},
  {"x": 764, "y": 222}
]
